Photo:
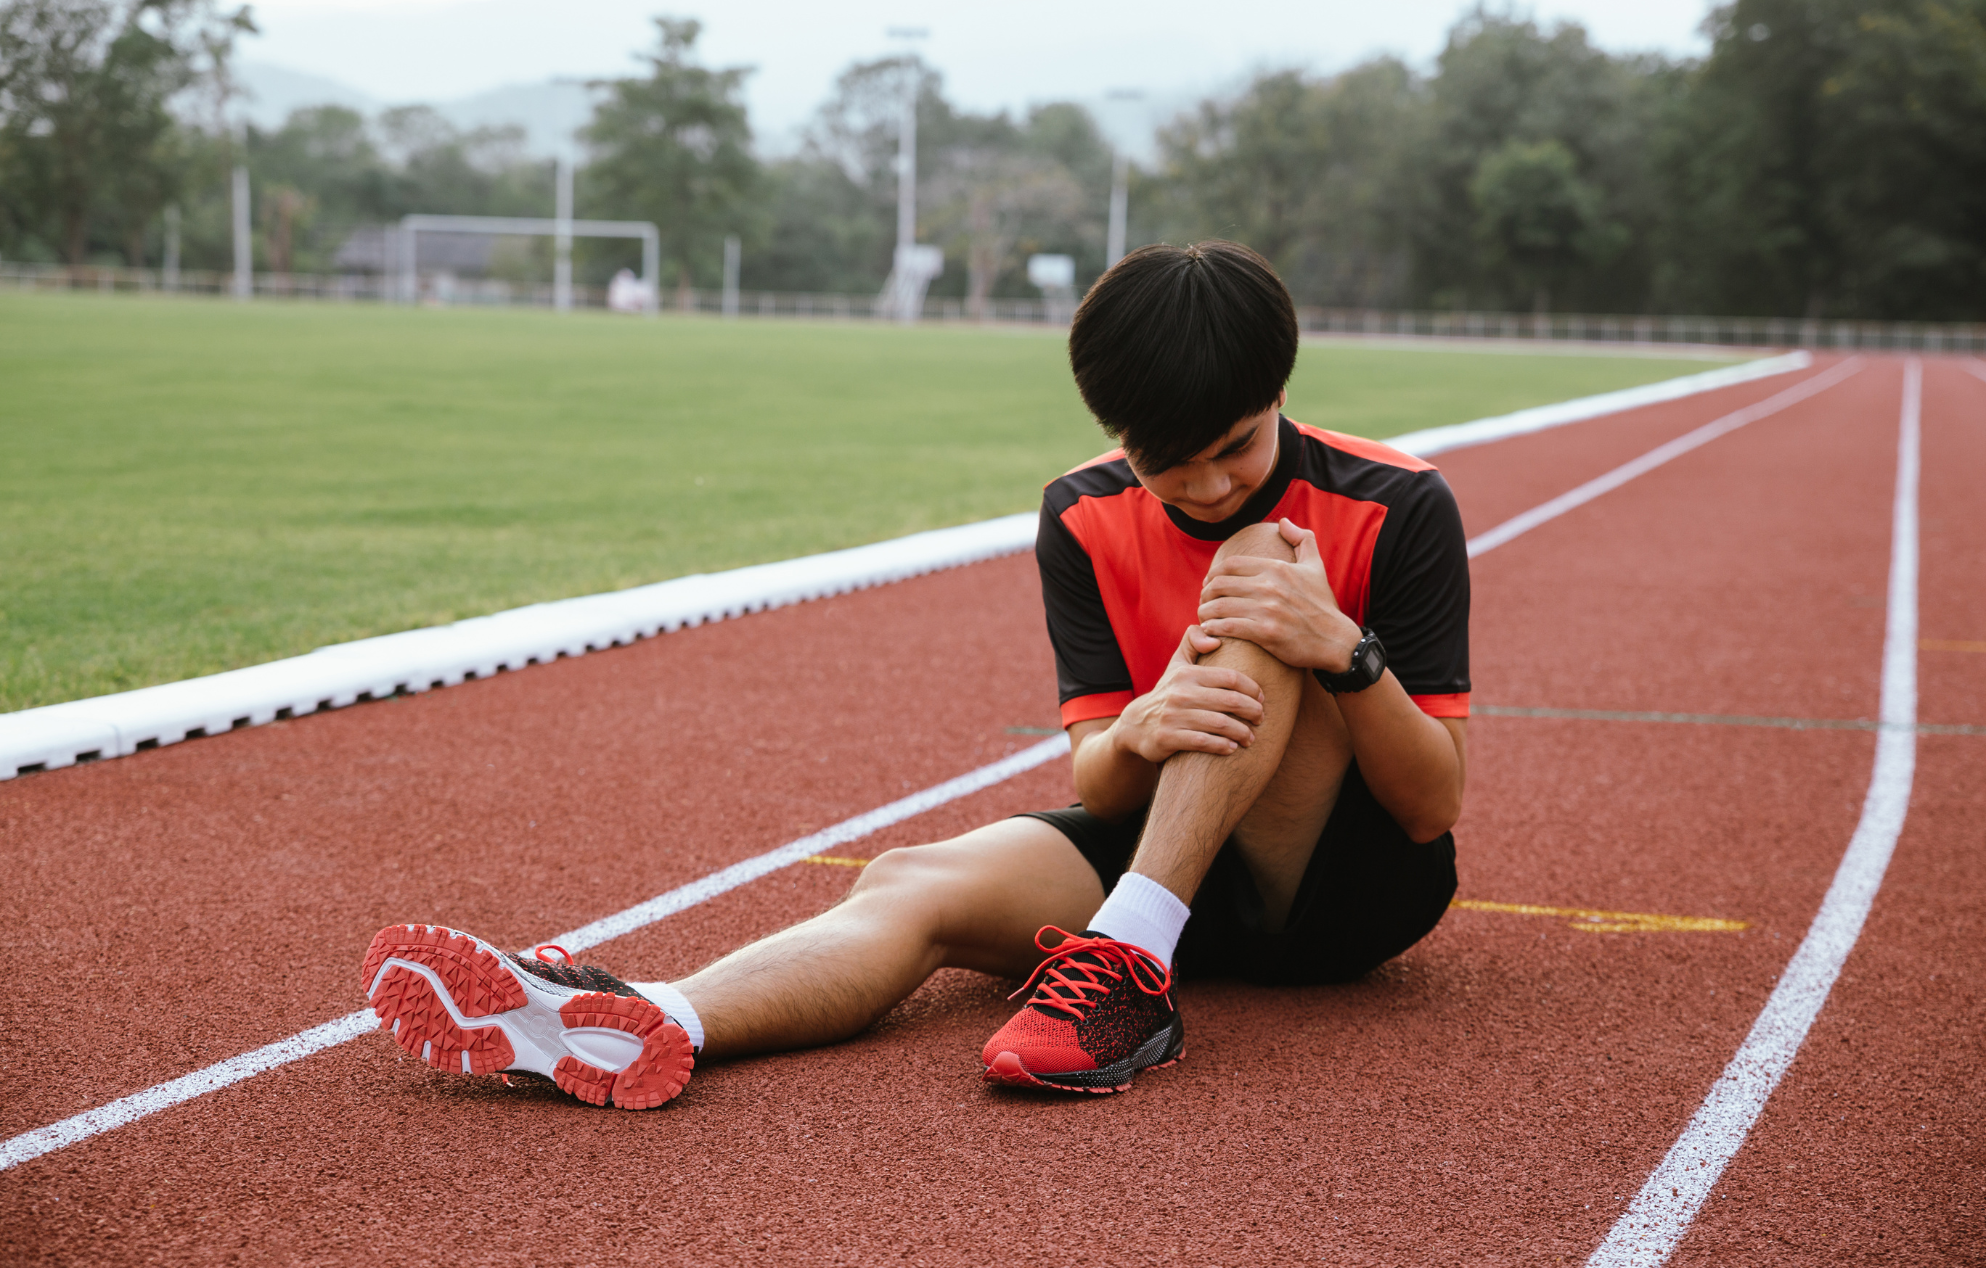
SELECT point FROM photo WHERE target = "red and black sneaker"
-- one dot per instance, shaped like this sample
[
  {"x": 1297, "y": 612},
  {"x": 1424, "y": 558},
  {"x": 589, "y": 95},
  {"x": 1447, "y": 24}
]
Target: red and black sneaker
[
  {"x": 1103, "y": 1011},
  {"x": 460, "y": 1004}
]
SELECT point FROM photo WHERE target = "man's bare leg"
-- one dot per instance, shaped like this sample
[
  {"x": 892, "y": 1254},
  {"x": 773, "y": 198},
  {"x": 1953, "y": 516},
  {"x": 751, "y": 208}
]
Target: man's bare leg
[
  {"x": 974, "y": 902},
  {"x": 1273, "y": 797}
]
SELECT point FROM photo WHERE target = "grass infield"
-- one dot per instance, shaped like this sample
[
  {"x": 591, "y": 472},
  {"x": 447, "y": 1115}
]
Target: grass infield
[{"x": 192, "y": 485}]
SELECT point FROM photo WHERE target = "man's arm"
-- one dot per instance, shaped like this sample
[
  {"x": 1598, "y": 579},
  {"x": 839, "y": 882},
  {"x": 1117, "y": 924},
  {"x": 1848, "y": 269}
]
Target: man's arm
[
  {"x": 1196, "y": 708},
  {"x": 1414, "y": 764}
]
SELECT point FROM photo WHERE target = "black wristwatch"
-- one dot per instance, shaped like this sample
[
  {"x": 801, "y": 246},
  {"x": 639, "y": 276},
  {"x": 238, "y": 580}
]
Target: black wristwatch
[{"x": 1368, "y": 664}]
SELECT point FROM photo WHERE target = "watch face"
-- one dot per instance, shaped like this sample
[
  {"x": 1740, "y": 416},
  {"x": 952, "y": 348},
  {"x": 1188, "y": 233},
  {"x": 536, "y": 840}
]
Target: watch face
[{"x": 1371, "y": 658}]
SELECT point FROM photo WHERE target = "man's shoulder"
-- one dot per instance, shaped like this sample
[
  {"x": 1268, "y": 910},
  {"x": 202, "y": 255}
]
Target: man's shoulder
[
  {"x": 1352, "y": 456},
  {"x": 1103, "y": 476},
  {"x": 1367, "y": 471}
]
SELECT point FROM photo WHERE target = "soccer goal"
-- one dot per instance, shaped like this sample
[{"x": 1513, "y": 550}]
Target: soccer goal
[{"x": 563, "y": 230}]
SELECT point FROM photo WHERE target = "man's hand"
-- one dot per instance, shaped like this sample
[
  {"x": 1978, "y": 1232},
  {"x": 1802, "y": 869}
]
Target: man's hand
[
  {"x": 1196, "y": 708},
  {"x": 1286, "y": 609}
]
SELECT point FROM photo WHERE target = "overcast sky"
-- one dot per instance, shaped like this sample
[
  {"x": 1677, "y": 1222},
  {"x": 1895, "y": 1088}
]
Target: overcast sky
[{"x": 998, "y": 53}]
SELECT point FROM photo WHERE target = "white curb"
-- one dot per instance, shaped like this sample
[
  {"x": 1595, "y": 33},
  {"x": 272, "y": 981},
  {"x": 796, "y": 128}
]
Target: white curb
[
  {"x": 1436, "y": 440},
  {"x": 332, "y": 677}
]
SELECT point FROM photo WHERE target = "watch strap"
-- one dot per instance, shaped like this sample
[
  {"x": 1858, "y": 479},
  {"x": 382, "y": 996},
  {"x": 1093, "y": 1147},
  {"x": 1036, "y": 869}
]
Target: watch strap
[{"x": 1367, "y": 667}]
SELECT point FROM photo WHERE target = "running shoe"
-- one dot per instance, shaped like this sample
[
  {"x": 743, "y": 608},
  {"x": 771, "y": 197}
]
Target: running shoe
[
  {"x": 1102, "y": 1010},
  {"x": 460, "y": 1004}
]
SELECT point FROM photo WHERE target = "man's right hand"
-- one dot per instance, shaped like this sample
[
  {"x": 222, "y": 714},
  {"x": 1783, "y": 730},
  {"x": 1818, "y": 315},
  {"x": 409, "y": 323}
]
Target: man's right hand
[{"x": 1193, "y": 708}]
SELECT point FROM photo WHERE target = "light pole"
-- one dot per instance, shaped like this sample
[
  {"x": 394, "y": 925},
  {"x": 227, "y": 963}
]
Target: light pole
[
  {"x": 731, "y": 259},
  {"x": 171, "y": 278},
  {"x": 244, "y": 244},
  {"x": 562, "y": 239},
  {"x": 913, "y": 266},
  {"x": 1120, "y": 193},
  {"x": 1120, "y": 197}
]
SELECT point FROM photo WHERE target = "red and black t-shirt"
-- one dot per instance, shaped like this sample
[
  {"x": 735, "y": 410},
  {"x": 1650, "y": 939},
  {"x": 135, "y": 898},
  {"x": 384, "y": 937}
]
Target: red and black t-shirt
[{"x": 1121, "y": 571}]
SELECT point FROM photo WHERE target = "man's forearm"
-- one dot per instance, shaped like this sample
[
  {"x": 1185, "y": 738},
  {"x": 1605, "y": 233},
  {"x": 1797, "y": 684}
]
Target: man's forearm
[
  {"x": 1111, "y": 780},
  {"x": 1412, "y": 763}
]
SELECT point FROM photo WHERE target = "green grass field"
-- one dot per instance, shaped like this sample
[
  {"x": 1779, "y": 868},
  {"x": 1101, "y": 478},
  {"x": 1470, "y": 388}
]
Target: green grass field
[{"x": 191, "y": 485}]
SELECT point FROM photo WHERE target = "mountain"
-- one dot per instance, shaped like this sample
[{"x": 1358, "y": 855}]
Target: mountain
[{"x": 548, "y": 112}]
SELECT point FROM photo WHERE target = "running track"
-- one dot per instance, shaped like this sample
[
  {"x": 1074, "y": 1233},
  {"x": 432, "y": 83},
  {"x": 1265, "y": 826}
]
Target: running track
[{"x": 1497, "y": 1095}]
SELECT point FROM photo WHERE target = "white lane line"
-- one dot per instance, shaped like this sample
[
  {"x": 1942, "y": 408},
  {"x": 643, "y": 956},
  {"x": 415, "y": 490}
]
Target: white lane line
[
  {"x": 116, "y": 725},
  {"x": 42, "y": 1140},
  {"x": 1436, "y": 440},
  {"x": 1654, "y": 1223},
  {"x": 1518, "y": 525},
  {"x": 129, "y": 1109}
]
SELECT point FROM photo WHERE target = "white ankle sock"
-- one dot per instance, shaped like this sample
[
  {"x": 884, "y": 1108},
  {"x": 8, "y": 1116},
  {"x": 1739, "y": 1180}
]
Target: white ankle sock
[
  {"x": 1144, "y": 913},
  {"x": 678, "y": 1006}
]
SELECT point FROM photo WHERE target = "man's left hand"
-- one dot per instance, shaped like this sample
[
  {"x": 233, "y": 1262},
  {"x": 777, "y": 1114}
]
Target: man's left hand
[{"x": 1286, "y": 609}]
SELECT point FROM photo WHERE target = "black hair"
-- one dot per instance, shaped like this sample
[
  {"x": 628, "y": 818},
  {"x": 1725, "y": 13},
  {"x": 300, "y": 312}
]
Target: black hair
[{"x": 1175, "y": 345}]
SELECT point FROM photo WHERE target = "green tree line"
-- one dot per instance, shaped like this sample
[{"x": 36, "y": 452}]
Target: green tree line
[{"x": 1826, "y": 158}]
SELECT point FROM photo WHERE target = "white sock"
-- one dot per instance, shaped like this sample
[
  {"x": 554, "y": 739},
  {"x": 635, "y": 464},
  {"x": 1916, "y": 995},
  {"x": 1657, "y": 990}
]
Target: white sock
[
  {"x": 1144, "y": 913},
  {"x": 678, "y": 1006}
]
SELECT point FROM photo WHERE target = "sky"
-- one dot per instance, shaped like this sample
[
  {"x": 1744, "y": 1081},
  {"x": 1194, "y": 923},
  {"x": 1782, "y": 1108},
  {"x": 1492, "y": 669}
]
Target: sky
[{"x": 994, "y": 54}]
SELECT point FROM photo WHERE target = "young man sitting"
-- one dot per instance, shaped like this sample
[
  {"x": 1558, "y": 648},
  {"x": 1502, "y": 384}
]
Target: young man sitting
[{"x": 1261, "y": 635}]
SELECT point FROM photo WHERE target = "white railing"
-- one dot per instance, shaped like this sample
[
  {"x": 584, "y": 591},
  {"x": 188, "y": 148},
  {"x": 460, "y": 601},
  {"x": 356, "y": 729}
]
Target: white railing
[{"x": 446, "y": 289}]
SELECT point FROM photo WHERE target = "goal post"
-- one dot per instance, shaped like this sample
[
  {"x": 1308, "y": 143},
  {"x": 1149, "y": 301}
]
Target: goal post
[{"x": 532, "y": 226}]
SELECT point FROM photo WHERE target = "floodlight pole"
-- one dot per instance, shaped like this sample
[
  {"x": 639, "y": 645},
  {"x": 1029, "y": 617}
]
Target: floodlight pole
[
  {"x": 651, "y": 266},
  {"x": 731, "y": 254},
  {"x": 1120, "y": 198},
  {"x": 1120, "y": 179},
  {"x": 906, "y": 169},
  {"x": 171, "y": 270},
  {"x": 562, "y": 239},
  {"x": 244, "y": 246},
  {"x": 907, "y": 293}
]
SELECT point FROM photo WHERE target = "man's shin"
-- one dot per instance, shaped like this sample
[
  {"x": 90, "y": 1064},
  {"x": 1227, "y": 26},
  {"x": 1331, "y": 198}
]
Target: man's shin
[{"x": 1201, "y": 797}]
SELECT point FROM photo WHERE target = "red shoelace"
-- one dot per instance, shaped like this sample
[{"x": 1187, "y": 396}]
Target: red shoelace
[
  {"x": 1074, "y": 988},
  {"x": 564, "y": 954}
]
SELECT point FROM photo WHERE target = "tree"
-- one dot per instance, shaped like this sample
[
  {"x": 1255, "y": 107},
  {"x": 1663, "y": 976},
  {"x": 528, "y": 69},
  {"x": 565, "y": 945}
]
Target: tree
[
  {"x": 1306, "y": 171},
  {"x": 1831, "y": 160},
  {"x": 675, "y": 148},
  {"x": 1506, "y": 87},
  {"x": 1537, "y": 221},
  {"x": 991, "y": 190},
  {"x": 84, "y": 107},
  {"x": 986, "y": 197}
]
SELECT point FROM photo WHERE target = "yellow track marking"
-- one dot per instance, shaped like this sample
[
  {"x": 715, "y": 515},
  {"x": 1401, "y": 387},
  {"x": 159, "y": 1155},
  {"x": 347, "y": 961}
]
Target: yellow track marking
[
  {"x": 1580, "y": 918},
  {"x": 1950, "y": 645},
  {"x": 1587, "y": 921}
]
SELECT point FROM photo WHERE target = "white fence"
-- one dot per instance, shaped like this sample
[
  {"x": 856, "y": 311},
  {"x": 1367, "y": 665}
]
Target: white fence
[{"x": 445, "y": 289}]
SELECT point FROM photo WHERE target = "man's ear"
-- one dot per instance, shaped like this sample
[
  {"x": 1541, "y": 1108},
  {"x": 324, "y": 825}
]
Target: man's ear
[{"x": 1282, "y": 398}]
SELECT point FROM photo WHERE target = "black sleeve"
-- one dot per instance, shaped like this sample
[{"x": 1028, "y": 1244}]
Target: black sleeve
[
  {"x": 1419, "y": 600},
  {"x": 1088, "y": 661}
]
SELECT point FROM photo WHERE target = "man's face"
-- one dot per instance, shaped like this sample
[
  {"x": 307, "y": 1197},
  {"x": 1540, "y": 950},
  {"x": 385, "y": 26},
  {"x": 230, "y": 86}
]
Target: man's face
[{"x": 1213, "y": 484}]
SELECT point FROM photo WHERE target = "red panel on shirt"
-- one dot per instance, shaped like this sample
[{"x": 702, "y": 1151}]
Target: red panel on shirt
[{"x": 1150, "y": 572}]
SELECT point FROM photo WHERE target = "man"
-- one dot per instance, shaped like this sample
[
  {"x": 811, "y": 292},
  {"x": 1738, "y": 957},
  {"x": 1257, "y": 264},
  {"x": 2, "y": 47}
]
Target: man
[{"x": 1261, "y": 635}]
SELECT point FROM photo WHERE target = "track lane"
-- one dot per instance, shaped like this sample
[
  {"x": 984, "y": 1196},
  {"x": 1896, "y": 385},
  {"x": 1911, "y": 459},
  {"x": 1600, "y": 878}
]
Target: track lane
[
  {"x": 242, "y": 868},
  {"x": 500, "y": 804},
  {"x": 1375, "y": 1092},
  {"x": 1512, "y": 476},
  {"x": 1872, "y": 1148}
]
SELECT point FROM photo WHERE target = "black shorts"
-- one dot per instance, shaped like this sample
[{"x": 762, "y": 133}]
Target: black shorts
[{"x": 1368, "y": 894}]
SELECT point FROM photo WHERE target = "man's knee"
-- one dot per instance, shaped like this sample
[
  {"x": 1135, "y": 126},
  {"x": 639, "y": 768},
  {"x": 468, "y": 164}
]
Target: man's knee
[
  {"x": 909, "y": 870},
  {"x": 1264, "y": 540}
]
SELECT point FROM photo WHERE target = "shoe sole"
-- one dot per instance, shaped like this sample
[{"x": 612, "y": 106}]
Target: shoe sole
[
  {"x": 450, "y": 999},
  {"x": 1165, "y": 1049}
]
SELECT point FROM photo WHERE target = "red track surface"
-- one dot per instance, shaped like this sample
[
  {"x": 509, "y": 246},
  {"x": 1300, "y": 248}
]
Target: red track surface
[{"x": 1492, "y": 1097}]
